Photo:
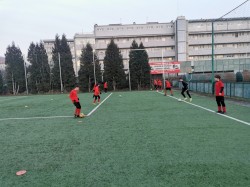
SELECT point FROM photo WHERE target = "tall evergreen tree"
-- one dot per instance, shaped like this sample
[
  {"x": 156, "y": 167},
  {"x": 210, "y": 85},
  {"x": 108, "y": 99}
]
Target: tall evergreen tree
[
  {"x": 39, "y": 69},
  {"x": 86, "y": 72},
  {"x": 1, "y": 83},
  {"x": 113, "y": 67},
  {"x": 61, "y": 49},
  {"x": 15, "y": 69},
  {"x": 145, "y": 67},
  {"x": 139, "y": 66}
]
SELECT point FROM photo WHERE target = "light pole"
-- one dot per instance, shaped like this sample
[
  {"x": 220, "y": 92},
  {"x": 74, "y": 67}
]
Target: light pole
[
  {"x": 60, "y": 71},
  {"x": 25, "y": 74},
  {"x": 129, "y": 67},
  {"x": 94, "y": 64}
]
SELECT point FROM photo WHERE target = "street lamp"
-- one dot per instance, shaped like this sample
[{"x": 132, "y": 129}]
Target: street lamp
[
  {"x": 94, "y": 64},
  {"x": 129, "y": 67}
]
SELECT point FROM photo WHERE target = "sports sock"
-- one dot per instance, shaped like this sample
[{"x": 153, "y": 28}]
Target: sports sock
[
  {"x": 224, "y": 109},
  {"x": 219, "y": 108}
]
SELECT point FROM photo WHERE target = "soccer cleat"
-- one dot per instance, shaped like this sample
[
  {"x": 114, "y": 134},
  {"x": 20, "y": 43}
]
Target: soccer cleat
[
  {"x": 190, "y": 100},
  {"x": 76, "y": 116},
  {"x": 219, "y": 112},
  {"x": 185, "y": 99}
]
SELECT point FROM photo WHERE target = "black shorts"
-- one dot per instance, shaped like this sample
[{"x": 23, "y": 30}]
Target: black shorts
[
  {"x": 168, "y": 89},
  {"x": 220, "y": 98}
]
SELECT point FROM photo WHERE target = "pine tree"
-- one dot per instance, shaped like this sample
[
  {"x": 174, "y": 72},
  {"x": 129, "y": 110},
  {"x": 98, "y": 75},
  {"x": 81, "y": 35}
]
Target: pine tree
[
  {"x": 61, "y": 49},
  {"x": 134, "y": 65},
  {"x": 139, "y": 66},
  {"x": 86, "y": 72},
  {"x": 55, "y": 70},
  {"x": 113, "y": 67},
  {"x": 39, "y": 69},
  {"x": 145, "y": 67},
  {"x": 1, "y": 83},
  {"x": 15, "y": 69}
]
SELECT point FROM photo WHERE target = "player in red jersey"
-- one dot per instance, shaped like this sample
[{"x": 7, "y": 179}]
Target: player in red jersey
[
  {"x": 168, "y": 87},
  {"x": 155, "y": 84},
  {"x": 219, "y": 95},
  {"x": 105, "y": 86},
  {"x": 97, "y": 93},
  {"x": 159, "y": 83},
  {"x": 75, "y": 100}
]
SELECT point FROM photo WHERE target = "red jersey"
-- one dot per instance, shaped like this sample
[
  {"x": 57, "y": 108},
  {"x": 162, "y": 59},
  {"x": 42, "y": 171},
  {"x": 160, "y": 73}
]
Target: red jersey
[
  {"x": 218, "y": 86},
  {"x": 155, "y": 82},
  {"x": 168, "y": 84},
  {"x": 159, "y": 83},
  {"x": 105, "y": 85},
  {"x": 73, "y": 96},
  {"x": 96, "y": 91}
]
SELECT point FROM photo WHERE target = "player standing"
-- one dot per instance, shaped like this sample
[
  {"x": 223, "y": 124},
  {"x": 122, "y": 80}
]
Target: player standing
[
  {"x": 75, "y": 100},
  {"x": 97, "y": 93},
  {"x": 105, "y": 86},
  {"x": 219, "y": 94},
  {"x": 185, "y": 89},
  {"x": 168, "y": 87}
]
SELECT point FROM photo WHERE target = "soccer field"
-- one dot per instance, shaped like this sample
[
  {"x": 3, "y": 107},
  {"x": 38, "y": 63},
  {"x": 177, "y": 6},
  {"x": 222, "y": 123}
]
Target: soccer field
[{"x": 132, "y": 139}]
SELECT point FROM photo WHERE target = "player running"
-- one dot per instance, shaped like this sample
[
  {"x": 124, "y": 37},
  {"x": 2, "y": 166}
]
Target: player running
[
  {"x": 168, "y": 87},
  {"x": 219, "y": 94},
  {"x": 75, "y": 100},
  {"x": 185, "y": 89},
  {"x": 97, "y": 93}
]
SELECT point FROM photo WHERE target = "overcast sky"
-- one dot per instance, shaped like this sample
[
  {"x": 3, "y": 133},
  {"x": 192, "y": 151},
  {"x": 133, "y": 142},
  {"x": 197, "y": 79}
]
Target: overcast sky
[{"x": 24, "y": 21}]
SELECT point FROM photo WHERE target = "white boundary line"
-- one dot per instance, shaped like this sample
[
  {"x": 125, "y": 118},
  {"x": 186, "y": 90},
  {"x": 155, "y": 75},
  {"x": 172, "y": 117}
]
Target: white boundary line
[
  {"x": 48, "y": 117},
  {"x": 99, "y": 105},
  {"x": 226, "y": 116},
  {"x": 53, "y": 117},
  {"x": 13, "y": 98}
]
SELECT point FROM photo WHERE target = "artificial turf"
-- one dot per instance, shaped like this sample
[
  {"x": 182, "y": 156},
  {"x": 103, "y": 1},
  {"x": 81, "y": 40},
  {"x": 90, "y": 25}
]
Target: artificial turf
[{"x": 132, "y": 139}]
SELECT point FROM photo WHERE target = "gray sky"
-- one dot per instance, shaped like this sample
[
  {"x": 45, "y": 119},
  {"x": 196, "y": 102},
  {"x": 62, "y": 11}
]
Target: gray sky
[{"x": 24, "y": 21}]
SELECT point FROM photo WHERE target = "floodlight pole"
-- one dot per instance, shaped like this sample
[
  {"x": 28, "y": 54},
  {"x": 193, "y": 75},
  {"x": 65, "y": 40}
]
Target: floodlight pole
[
  {"x": 60, "y": 70},
  {"x": 25, "y": 74},
  {"x": 94, "y": 64},
  {"x": 163, "y": 72},
  {"x": 212, "y": 78}
]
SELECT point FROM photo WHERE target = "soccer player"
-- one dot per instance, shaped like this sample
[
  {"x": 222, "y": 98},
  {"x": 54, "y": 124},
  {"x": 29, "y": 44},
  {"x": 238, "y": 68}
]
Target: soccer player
[
  {"x": 168, "y": 87},
  {"x": 159, "y": 83},
  {"x": 97, "y": 93},
  {"x": 155, "y": 84},
  {"x": 105, "y": 87},
  {"x": 75, "y": 100},
  {"x": 185, "y": 89},
  {"x": 219, "y": 94}
]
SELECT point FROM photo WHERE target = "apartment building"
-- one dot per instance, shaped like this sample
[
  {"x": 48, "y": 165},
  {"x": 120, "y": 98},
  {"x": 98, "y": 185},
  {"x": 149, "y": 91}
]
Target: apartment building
[{"x": 179, "y": 40}]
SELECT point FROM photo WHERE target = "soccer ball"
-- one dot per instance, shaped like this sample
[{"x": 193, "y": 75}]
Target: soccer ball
[{"x": 82, "y": 115}]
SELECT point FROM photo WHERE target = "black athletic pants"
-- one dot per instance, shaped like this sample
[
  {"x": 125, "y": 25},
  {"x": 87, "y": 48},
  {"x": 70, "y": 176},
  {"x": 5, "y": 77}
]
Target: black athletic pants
[
  {"x": 78, "y": 105},
  {"x": 182, "y": 92}
]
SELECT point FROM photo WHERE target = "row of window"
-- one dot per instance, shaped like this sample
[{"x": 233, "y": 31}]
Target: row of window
[
  {"x": 235, "y": 34},
  {"x": 218, "y": 46},
  {"x": 209, "y": 57},
  {"x": 219, "y": 23},
  {"x": 133, "y": 27}
]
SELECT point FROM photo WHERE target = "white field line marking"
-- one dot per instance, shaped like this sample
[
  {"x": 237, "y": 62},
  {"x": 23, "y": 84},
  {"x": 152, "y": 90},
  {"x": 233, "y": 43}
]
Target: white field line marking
[
  {"x": 226, "y": 116},
  {"x": 48, "y": 117},
  {"x": 12, "y": 98},
  {"x": 99, "y": 105}
]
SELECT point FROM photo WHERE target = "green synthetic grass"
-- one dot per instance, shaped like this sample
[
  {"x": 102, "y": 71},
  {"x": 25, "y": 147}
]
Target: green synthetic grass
[{"x": 138, "y": 139}]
